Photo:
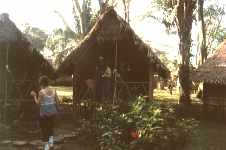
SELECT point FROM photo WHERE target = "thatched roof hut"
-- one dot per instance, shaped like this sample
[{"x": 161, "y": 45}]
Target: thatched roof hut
[
  {"x": 20, "y": 64},
  {"x": 101, "y": 40},
  {"x": 114, "y": 39},
  {"x": 214, "y": 69},
  {"x": 20, "y": 67},
  {"x": 213, "y": 76}
]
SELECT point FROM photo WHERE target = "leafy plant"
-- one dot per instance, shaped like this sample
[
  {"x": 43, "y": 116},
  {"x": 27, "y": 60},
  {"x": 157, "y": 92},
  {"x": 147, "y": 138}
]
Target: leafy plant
[{"x": 146, "y": 126}]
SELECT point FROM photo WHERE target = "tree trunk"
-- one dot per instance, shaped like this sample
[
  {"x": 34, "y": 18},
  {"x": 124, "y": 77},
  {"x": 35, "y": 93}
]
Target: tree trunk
[
  {"x": 128, "y": 11},
  {"x": 125, "y": 9},
  {"x": 75, "y": 92},
  {"x": 201, "y": 47},
  {"x": 151, "y": 82},
  {"x": 84, "y": 15},
  {"x": 126, "y": 4},
  {"x": 103, "y": 5},
  {"x": 185, "y": 10},
  {"x": 81, "y": 18},
  {"x": 185, "y": 84}
]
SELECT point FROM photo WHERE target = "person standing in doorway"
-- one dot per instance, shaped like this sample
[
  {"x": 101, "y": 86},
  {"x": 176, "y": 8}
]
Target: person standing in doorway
[
  {"x": 47, "y": 100},
  {"x": 100, "y": 69},
  {"x": 106, "y": 78}
]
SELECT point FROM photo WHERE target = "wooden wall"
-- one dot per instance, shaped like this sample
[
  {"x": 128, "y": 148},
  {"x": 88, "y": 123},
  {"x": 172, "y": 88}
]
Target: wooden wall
[
  {"x": 214, "y": 90},
  {"x": 2, "y": 70}
]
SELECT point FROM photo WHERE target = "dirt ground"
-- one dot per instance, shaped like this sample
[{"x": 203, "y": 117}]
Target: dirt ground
[
  {"x": 30, "y": 134},
  {"x": 210, "y": 136}
]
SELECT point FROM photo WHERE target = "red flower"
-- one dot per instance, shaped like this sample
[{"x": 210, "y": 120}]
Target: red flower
[{"x": 134, "y": 135}]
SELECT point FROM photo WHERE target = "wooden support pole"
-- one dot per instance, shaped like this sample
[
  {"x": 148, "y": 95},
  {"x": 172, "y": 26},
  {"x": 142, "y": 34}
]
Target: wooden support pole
[
  {"x": 151, "y": 81},
  {"x": 74, "y": 91},
  {"x": 115, "y": 94},
  {"x": 6, "y": 83}
]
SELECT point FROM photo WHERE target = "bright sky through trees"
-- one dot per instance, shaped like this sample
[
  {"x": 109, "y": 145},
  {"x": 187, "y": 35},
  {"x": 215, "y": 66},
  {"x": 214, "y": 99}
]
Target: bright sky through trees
[{"x": 40, "y": 13}]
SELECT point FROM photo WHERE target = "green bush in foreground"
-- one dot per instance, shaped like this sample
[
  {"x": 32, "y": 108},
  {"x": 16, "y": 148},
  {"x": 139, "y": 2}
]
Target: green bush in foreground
[{"x": 143, "y": 125}]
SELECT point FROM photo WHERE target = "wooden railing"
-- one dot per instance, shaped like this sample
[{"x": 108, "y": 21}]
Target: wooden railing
[
  {"x": 218, "y": 104},
  {"x": 132, "y": 89}
]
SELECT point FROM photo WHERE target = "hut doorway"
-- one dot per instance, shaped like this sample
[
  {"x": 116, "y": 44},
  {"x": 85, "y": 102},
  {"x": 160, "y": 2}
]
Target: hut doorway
[{"x": 128, "y": 78}]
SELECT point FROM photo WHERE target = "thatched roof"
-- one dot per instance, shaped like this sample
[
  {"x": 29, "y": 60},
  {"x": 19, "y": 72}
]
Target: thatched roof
[
  {"x": 41, "y": 65},
  {"x": 101, "y": 41},
  {"x": 214, "y": 69},
  {"x": 8, "y": 30},
  {"x": 23, "y": 60}
]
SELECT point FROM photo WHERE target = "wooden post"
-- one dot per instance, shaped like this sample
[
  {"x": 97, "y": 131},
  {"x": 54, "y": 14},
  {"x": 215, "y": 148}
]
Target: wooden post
[
  {"x": 6, "y": 83},
  {"x": 74, "y": 91},
  {"x": 115, "y": 97},
  {"x": 75, "y": 84},
  {"x": 2, "y": 80},
  {"x": 151, "y": 81}
]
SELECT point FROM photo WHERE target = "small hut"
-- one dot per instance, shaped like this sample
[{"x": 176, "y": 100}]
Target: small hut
[
  {"x": 20, "y": 65},
  {"x": 114, "y": 39},
  {"x": 213, "y": 76}
]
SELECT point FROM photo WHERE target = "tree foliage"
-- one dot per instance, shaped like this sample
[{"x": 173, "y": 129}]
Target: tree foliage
[
  {"x": 168, "y": 12},
  {"x": 61, "y": 41},
  {"x": 84, "y": 16},
  {"x": 57, "y": 42},
  {"x": 171, "y": 64},
  {"x": 36, "y": 36},
  {"x": 213, "y": 15}
]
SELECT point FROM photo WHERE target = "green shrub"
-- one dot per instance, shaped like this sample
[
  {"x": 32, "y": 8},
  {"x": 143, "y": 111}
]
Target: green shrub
[
  {"x": 158, "y": 126},
  {"x": 143, "y": 125}
]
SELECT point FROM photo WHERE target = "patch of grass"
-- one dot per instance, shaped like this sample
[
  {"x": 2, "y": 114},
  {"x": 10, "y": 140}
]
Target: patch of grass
[
  {"x": 161, "y": 95},
  {"x": 164, "y": 95},
  {"x": 63, "y": 91}
]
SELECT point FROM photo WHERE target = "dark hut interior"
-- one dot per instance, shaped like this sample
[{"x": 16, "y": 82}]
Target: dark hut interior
[{"x": 126, "y": 55}]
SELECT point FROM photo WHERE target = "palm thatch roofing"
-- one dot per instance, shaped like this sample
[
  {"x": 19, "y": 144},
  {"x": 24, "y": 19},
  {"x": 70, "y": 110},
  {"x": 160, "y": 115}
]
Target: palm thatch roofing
[
  {"x": 110, "y": 34},
  {"x": 214, "y": 69},
  {"x": 8, "y": 30},
  {"x": 21, "y": 55},
  {"x": 18, "y": 60}
]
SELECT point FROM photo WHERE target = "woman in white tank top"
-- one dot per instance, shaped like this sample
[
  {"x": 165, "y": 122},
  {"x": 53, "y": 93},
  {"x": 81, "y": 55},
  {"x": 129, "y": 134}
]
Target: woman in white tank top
[{"x": 46, "y": 99}]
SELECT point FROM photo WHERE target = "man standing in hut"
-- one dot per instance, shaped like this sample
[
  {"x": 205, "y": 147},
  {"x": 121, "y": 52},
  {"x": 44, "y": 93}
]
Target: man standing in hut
[
  {"x": 106, "y": 83},
  {"x": 103, "y": 80},
  {"x": 100, "y": 69}
]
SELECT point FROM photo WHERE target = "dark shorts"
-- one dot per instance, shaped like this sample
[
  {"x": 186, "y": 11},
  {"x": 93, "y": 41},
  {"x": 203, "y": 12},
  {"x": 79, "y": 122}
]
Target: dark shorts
[{"x": 47, "y": 127}]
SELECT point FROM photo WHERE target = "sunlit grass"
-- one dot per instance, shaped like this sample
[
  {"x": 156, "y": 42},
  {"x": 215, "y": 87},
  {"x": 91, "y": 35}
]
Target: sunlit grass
[
  {"x": 160, "y": 95},
  {"x": 63, "y": 91},
  {"x": 164, "y": 95}
]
